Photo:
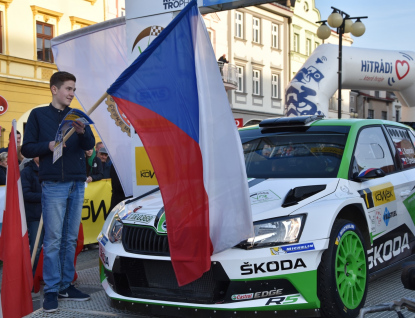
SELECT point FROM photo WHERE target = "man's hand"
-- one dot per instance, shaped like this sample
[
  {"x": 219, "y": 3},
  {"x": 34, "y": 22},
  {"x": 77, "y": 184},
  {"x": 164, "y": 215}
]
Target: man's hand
[
  {"x": 88, "y": 180},
  {"x": 51, "y": 145},
  {"x": 79, "y": 127}
]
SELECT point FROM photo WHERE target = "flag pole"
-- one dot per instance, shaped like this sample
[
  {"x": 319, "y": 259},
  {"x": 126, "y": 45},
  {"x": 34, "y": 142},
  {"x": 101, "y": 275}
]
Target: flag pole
[
  {"x": 39, "y": 231},
  {"x": 99, "y": 101},
  {"x": 69, "y": 134}
]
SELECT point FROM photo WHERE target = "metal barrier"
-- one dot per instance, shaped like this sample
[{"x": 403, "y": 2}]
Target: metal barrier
[{"x": 229, "y": 73}]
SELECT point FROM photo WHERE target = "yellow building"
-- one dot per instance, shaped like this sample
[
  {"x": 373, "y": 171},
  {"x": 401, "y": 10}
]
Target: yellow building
[{"x": 26, "y": 61}]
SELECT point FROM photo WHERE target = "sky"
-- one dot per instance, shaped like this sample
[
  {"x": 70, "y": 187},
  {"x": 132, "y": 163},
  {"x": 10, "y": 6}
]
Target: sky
[{"x": 390, "y": 24}]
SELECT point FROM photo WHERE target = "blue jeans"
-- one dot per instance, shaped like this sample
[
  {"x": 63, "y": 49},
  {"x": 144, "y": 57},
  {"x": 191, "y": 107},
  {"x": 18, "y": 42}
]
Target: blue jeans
[
  {"x": 62, "y": 210},
  {"x": 32, "y": 227}
]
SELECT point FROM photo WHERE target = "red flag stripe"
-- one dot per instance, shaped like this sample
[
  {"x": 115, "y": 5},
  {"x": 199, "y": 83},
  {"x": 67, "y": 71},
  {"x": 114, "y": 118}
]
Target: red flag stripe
[
  {"x": 17, "y": 281},
  {"x": 177, "y": 161}
]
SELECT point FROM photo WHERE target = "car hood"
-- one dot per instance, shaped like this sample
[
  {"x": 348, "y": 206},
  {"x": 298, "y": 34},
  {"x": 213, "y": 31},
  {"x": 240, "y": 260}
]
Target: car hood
[
  {"x": 269, "y": 195},
  {"x": 266, "y": 196}
]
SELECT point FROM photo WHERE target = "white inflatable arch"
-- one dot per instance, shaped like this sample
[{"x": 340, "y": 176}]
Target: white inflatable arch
[{"x": 310, "y": 90}]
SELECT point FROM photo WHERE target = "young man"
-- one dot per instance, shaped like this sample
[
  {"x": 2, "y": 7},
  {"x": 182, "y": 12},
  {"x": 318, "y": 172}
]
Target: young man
[{"x": 62, "y": 188}]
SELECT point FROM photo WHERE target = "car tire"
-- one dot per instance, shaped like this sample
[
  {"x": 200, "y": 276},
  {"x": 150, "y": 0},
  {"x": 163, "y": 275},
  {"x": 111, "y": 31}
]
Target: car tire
[{"x": 342, "y": 273}]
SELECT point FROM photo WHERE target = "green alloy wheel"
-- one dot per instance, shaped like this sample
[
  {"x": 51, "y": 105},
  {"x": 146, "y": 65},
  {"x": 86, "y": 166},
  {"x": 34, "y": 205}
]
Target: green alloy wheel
[{"x": 342, "y": 274}]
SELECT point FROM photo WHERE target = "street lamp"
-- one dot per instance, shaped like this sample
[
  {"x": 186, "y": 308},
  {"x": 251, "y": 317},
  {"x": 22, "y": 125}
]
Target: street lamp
[{"x": 344, "y": 24}]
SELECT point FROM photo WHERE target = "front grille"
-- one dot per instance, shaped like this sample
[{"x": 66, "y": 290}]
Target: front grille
[
  {"x": 141, "y": 240},
  {"x": 153, "y": 279}
]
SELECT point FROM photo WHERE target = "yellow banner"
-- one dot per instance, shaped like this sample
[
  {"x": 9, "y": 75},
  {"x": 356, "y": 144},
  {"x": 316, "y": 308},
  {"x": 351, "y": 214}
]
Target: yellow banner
[
  {"x": 97, "y": 201},
  {"x": 144, "y": 170}
]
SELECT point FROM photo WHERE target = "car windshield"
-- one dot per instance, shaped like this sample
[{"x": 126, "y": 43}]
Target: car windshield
[{"x": 304, "y": 154}]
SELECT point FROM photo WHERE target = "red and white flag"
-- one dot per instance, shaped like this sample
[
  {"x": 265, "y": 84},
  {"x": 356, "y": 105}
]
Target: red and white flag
[{"x": 17, "y": 281}]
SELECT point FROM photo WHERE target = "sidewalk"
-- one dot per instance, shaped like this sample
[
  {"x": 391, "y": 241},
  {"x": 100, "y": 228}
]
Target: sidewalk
[{"x": 88, "y": 281}]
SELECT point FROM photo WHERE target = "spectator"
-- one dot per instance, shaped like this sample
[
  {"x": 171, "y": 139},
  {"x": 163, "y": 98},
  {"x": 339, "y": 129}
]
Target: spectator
[
  {"x": 19, "y": 154},
  {"x": 98, "y": 146},
  {"x": 3, "y": 168},
  {"x": 24, "y": 162},
  {"x": 117, "y": 190},
  {"x": 103, "y": 155},
  {"x": 32, "y": 194},
  {"x": 63, "y": 186},
  {"x": 93, "y": 167},
  {"x": 223, "y": 59},
  {"x": 19, "y": 139}
]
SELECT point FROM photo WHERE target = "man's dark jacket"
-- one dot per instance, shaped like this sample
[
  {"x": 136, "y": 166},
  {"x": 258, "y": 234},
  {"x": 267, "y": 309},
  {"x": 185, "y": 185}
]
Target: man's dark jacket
[
  {"x": 3, "y": 175},
  {"x": 41, "y": 128},
  {"x": 106, "y": 168},
  {"x": 32, "y": 191},
  {"x": 95, "y": 172}
]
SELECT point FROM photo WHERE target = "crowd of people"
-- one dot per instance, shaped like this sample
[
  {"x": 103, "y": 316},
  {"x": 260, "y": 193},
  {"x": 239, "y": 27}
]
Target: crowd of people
[{"x": 56, "y": 190}]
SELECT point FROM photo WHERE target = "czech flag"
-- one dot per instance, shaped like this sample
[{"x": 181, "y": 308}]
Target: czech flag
[{"x": 174, "y": 97}]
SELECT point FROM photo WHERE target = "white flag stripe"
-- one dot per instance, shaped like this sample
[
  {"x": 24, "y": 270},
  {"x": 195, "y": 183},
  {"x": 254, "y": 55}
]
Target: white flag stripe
[
  {"x": 96, "y": 59},
  {"x": 22, "y": 208},
  {"x": 224, "y": 171}
]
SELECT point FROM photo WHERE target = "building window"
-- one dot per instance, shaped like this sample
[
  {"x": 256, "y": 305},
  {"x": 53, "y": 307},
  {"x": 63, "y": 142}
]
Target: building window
[
  {"x": 376, "y": 93},
  {"x": 44, "y": 35},
  {"x": 275, "y": 86},
  {"x": 240, "y": 74},
  {"x": 256, "y": 82},
  {"x": 274, "y": 32},
  {"x": 256, "y": 34},
  {"x": 239, "y": 25},
  {"x": 384, "y": 115},
  {"x": 397, "y": 115},
  {"x": 296, "y": 42},
  {"x": 316, "y": 44},
  {"x": 370, "y": 113},
  {"x": 308, "y": 47}
]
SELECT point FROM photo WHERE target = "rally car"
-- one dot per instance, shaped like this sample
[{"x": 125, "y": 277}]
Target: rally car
[{"x": 333, "y": 203}]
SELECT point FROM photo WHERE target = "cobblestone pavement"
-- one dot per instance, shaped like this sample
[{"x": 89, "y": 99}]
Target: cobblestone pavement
[{"x": 384, "y": 289}]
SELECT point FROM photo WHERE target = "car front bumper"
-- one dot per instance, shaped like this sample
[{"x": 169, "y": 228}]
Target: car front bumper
[{"x": 240, "y": 283}]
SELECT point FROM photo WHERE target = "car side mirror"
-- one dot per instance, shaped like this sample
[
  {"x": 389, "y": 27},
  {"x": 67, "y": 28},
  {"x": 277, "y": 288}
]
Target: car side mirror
[{"x": 367, "y": 174}]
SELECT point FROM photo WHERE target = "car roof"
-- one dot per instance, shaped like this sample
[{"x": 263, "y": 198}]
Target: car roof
[{"x": 355, "y": 123}]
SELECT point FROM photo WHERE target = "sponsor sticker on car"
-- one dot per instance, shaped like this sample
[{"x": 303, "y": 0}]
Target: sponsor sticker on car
[
  {"x": 348, "y": 226},
  {"x": 378, "y": 195},
  {"x": 142, "y": 218},
  {"x": 263, "y": 196},
  {"x": 292, "y": 248}
]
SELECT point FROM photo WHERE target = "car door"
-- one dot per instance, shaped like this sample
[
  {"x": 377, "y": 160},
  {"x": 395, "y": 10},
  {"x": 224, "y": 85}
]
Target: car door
[
  {"x": 403, "y": 142},
  {"x": 382, "y": 197}
]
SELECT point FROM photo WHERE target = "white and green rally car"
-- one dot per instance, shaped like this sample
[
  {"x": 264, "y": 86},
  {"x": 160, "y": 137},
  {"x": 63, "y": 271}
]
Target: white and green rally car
[{"x": 333, "y": 203}]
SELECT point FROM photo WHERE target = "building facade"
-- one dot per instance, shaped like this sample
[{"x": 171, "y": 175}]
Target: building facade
[
  {"x": 375, "y": 105},
  {"x": 256, "y": 41},
  {"x": 26, "y": 60},
  {"x": 265, "y": 45}
]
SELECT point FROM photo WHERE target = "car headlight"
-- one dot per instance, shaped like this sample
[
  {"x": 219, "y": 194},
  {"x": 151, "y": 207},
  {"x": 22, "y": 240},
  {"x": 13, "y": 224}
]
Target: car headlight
[
  {"x": 113, "y": 225},
  {"x": 275, "y": 232},
  {"x": 115, "y": 231}
]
